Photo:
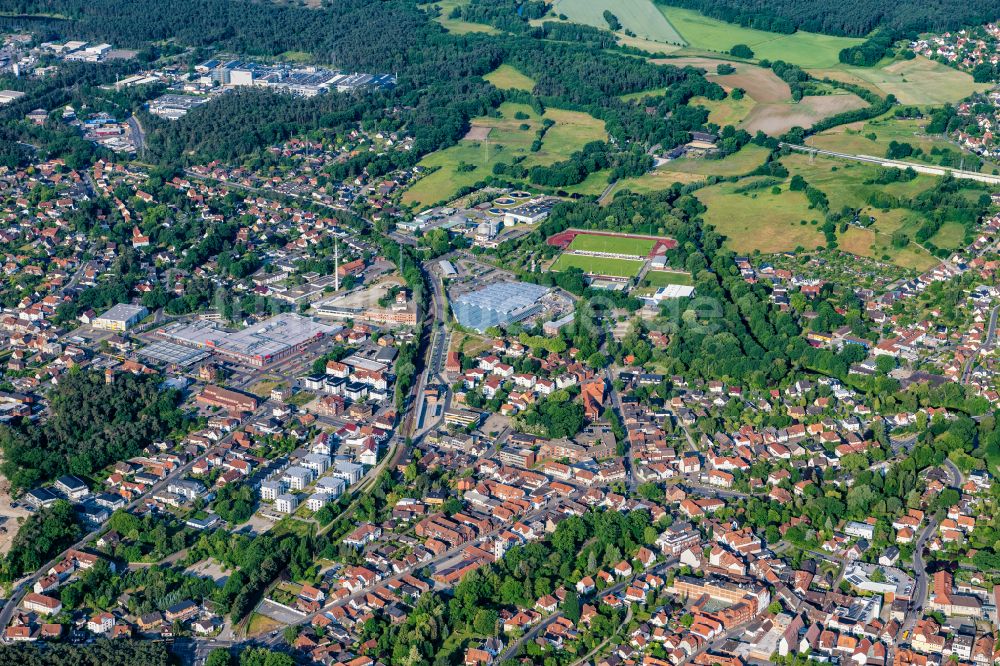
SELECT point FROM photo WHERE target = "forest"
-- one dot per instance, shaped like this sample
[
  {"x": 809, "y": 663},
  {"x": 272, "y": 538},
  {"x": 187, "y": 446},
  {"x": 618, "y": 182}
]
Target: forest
[
  {"x": 101, "y": 653},
  {"x": 91, "y": 424},
  {"x": 855, "y": 19}
]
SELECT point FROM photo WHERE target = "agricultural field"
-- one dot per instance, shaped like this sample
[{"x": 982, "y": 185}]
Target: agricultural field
[
  {"x": 768, "y": 104},
  {"x": 506, "y": 77},
  {"x": 458, "y": 26},
  {"x": 667, "y": 278},
  {"x": 919, "y": 81},
  {"x": 639, "y": 247},
  {"x": 776, "y": 119},
  {"x": 493, "y": 140},
  {"x": 640, "y": 16},
  {"x": 806, "y": 49},
  {"x": 598, "y": 265}
]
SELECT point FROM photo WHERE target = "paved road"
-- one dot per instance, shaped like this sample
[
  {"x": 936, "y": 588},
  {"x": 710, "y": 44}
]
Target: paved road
[
  {"x": 919, "y": 566},
  {"x": 616, "y": 403},
  {"x": 991, "y": 332},
  {"x": 138, "y": 135}
]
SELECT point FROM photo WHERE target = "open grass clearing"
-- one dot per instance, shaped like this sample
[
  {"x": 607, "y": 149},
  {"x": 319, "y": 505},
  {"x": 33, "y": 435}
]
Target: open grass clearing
[
  {"x": 919, "y": 81},
  {"x": 639, "y": 16},
  {"x": 728, "y": 111},
  {"x": 691, "y": 170},
  {"x": 509, "y": 137},
  {"x": 874, "y": 136},
  {"x": 805, "y": 49},
  {"x": 656, "y": 181},
  {"x": 261, "y": 624},
  {"x": 950, "y": 236},
  {"x": 508, "y": 77},
  {"x": 458, "y": 26},
  {"x": 742, "y": 162},
  {"x": 598, "y": 265},
  {"x": 768, "y": 222},
  {"x": 869, "y": 243},
  {"x": 761, "y": 220},
  {"x": 644, "y": 94},
  {"x": 638, "y": 247}
]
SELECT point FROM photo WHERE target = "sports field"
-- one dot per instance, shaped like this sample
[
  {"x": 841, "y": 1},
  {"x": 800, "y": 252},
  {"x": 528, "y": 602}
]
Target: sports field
[
  {"x": 666, "y": 278},
  {"x": 506, "y": 77},
  {"x": 507, "y": 137},
  {"x": 805, "y": 49},
  {"x": 598, "y": 265},
  {"x": 640, "y": 16},
  {"x": 639, "y": 247}
]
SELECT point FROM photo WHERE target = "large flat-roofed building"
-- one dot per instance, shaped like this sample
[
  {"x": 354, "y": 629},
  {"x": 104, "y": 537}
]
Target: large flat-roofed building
[
  {"x": 258, "y": 345},
  {"x": 233, "y": 401},
  {"x": 120, "y": 317},
  {"x": 530, "y": 213},
  {"x": 498, "y": 304},
  {"x": 173, "y": 107}
]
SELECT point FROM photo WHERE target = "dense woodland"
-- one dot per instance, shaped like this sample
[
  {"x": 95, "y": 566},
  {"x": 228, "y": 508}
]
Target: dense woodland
[
  {"x": 856, "y": 19},
  {"x": 91, "y": 424},
  {"x": 102, "y": 653}
]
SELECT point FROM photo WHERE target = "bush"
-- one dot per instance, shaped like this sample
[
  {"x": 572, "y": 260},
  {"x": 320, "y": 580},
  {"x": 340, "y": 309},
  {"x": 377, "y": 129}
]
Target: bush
[{"x": 741, "y": 51}]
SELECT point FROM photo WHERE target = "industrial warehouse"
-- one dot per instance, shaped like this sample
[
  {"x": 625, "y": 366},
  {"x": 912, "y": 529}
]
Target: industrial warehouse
[{"x": 258, "y": 345}]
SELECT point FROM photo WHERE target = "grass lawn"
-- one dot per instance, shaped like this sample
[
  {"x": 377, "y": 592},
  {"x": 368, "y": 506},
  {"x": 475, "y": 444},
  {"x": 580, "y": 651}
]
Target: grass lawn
[
  {"x": 507, "y": 77},
  {"x": 745, "y": 160},
  {"x": 919, "y": 81},
  {"x": 844, "y": 185},
  {"x": 458, "y": 26},
  {"x": 644, "y": 94},
  {"x": 728, "y": 111},
  {"x": 656, "y": 181},
  {"x": 638, "y": 247},
  {"x": 951, "y": 236},
  {"x": 593, "y": 185},
  {"x": 261, "y": 624},
  {"x": 262, "y": 389},
  {"x": 805, "y": 49},
  {"x": 598, "y": 265},
  {"x": 761, "y": 220},
  {"x": 665, "y": 278},
  {"x": 471, "y": 161},
  {"x": 640, "y": 16},
  {"x": 691, "y": 170}
]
